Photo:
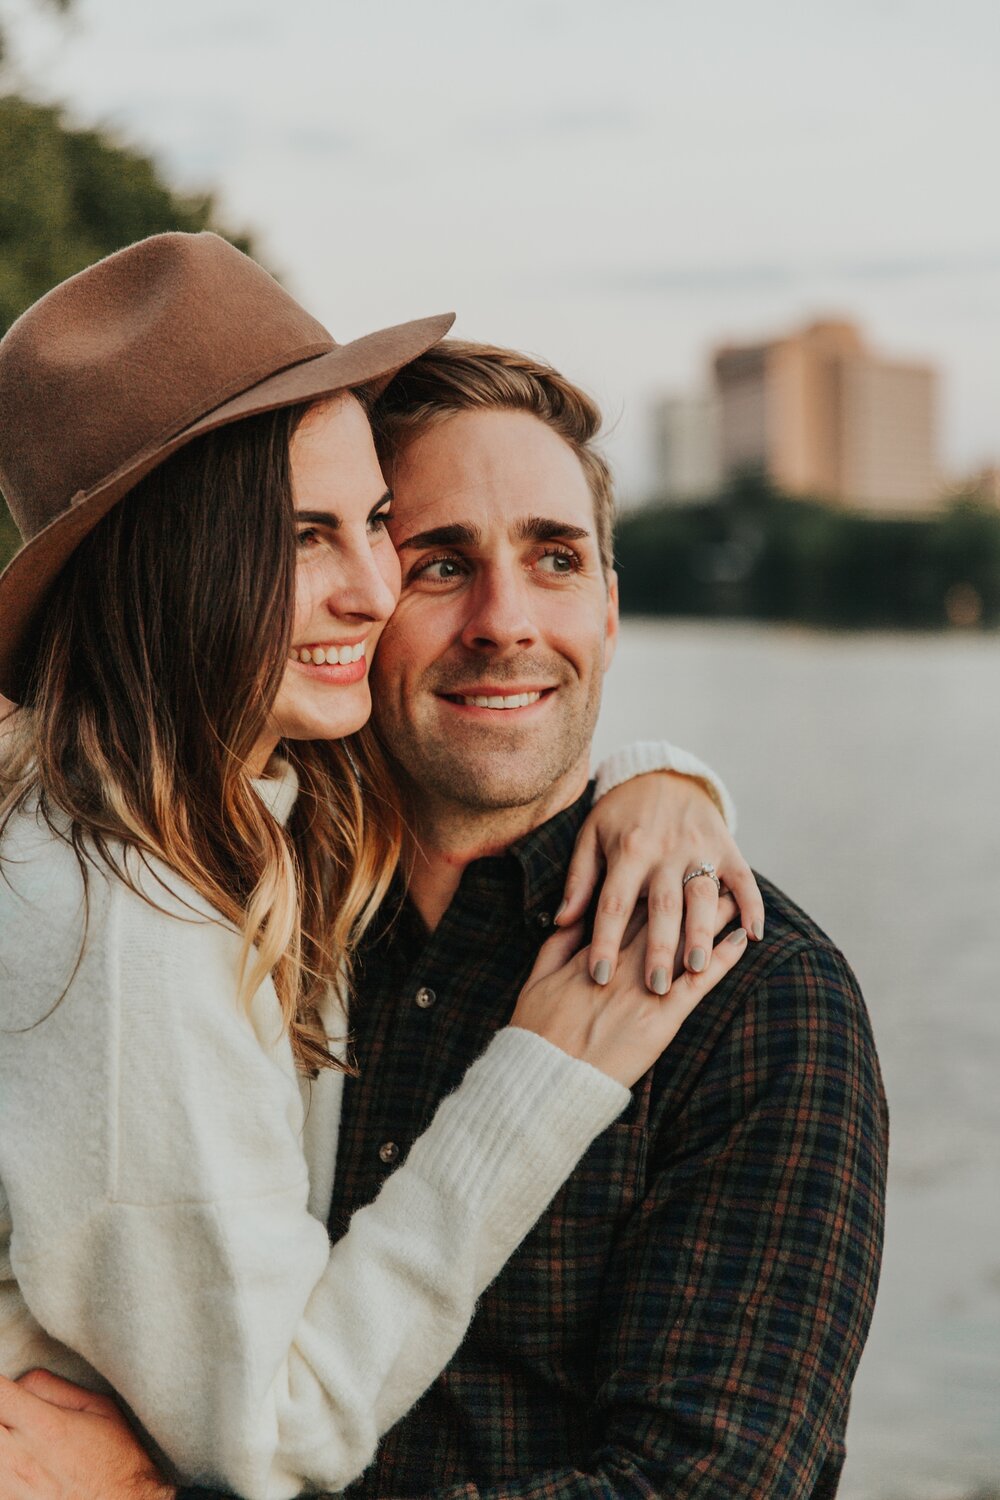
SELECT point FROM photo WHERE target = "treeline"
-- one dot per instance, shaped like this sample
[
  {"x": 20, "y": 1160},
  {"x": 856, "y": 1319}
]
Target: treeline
[{"x": 754, "y": 553}]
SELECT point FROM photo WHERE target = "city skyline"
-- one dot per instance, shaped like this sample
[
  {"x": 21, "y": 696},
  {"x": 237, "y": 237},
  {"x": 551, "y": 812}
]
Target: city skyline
[{"x": 819, "y": 412}]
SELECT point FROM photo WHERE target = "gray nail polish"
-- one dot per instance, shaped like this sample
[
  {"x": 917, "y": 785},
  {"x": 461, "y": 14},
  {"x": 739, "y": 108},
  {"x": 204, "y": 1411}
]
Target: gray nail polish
[
  {"x": 758, "y": 929},
  {"x": 602, "y": 971},
  {"x": 739, "y": 936},
  {"x": 659, "y": 981},
  {"x": 696, "y": 960}
]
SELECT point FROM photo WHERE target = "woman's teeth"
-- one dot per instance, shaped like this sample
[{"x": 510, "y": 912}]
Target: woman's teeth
[
  {"x": 329, "y": 656},
  {"x": 516, "y": 700}
]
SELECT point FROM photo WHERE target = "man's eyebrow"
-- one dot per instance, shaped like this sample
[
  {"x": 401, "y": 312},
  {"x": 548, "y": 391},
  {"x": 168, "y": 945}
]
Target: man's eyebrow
[
  {"x": 547, "y": 529},
  {"x": 330, "y": 518},
  {"x": 458, "y": 534}
]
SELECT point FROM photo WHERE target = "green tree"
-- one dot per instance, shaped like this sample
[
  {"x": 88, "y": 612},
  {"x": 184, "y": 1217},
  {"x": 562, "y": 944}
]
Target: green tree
[{"x": 69, "y": 196}]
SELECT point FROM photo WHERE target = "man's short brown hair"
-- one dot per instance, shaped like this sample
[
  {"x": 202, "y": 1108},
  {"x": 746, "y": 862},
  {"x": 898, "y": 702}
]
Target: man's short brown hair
[{"x": 459, "y": 376}]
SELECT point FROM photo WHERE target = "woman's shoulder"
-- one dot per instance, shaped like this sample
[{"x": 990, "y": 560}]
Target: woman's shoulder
[
  {"x": 45, "y": 872},
  {"x": 102, "y": 920},
  {"x": 42, "y": 889}
]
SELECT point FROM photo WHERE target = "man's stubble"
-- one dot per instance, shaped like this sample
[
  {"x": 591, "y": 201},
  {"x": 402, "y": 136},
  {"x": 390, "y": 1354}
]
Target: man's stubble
[{"x": 479, "y": 770}]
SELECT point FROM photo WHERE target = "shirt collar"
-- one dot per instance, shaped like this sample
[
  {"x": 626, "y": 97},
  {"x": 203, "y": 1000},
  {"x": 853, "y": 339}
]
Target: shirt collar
[
  {"x": 543, "y": 856},
  {"x": 530, "y": 874}
]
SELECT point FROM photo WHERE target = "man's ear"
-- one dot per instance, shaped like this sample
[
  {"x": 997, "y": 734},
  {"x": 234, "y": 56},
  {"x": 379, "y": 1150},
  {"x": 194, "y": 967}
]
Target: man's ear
[{"x": 611, "y": 625}]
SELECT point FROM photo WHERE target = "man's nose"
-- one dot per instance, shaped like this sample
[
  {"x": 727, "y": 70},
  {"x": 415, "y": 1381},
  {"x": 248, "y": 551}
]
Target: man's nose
[{"x": 499, "y": 615}]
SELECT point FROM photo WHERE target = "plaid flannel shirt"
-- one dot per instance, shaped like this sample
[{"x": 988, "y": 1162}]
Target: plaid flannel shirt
[{"x": 687, "y": 1317}]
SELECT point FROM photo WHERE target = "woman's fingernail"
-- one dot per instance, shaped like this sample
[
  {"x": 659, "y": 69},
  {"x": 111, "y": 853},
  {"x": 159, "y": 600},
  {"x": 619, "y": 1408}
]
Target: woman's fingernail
[
  {"x": 758, "y": 929},
  {"x": 739, "y": 936},
  {"x": 562, "y": 907},
  {"x": 659, "y": 981},
  {"x": 696, "y": 960},
  {"x": 602, "y": 971}
]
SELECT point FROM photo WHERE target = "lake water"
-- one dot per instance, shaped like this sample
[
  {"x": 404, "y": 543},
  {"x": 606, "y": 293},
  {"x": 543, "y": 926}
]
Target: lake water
[{"x": 866, "y": 770}]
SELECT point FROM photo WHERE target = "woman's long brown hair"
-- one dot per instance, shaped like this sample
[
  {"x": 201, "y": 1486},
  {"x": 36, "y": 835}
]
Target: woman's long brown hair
[{"x": 162, "y": 650}]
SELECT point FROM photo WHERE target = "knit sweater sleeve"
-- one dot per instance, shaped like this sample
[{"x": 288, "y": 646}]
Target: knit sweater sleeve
[
  {"x": 150, "y": 1149},
  {"x": 644, "y": 756}
]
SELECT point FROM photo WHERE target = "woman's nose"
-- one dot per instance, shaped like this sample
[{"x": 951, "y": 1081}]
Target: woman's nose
[{"x": 363, "y": 582}]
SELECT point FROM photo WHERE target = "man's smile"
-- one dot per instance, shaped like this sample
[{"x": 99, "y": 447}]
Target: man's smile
[{"x": 492, "y": 697}]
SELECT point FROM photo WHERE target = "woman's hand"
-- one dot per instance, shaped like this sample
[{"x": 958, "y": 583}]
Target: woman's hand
[
  {"x": 618, "y": 1027},
  {"x": 648, "y": 833}
]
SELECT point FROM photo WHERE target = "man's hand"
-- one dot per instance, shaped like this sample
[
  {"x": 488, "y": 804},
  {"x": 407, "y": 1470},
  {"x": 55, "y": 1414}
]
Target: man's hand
[
  {"x": 650, "y": 832},
  {"x": 59, "y": 1442}
]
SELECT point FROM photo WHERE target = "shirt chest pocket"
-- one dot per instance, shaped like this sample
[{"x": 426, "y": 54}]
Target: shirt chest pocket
[{"x": 545, "y": 1303}]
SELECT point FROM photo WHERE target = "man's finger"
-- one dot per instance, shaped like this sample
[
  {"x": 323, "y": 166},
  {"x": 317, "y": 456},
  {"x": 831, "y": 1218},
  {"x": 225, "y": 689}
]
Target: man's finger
[
  {"x": 63, "y": 1393},
  {"x": 14, "y": 1403},
  {"x": 581, "y": 879}
]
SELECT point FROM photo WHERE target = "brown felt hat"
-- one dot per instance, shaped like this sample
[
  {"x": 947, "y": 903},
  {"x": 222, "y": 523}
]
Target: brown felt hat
[{"x": 118, "y": 367}]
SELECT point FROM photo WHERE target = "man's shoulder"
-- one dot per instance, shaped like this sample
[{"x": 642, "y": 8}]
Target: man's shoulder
[
  {"x": 794, "y": 990},
  {"x": 789, "y": 1022},
  {"x": 791, "y": 937}
]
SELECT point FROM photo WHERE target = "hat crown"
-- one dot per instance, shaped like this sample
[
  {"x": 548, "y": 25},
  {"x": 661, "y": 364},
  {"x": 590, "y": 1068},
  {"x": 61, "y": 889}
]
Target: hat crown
[{"x": 130, "y": 352}]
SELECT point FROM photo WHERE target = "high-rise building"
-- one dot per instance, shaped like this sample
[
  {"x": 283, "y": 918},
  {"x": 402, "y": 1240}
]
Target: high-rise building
[
  {"x": 688, "y": 448},
  {"x": 820, "y": 414}
]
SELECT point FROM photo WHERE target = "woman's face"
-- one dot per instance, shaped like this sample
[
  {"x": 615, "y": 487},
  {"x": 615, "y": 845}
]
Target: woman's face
[{"x": 346, "y": 578}]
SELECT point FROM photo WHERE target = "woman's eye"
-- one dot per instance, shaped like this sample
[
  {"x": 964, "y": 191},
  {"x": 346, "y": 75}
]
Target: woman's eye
[
  {"x": 559, "y": 562},
  {"x": 378, "y": 521},
  {"x": 308, "y": 537}
]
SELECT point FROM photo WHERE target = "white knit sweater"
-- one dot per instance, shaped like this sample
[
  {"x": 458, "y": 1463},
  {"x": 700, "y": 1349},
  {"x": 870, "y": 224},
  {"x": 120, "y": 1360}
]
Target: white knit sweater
[{"x": 165, "y": 1177}]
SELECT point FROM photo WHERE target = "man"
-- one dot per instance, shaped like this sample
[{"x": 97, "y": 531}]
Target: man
[{"x": 687, "y": 1317}]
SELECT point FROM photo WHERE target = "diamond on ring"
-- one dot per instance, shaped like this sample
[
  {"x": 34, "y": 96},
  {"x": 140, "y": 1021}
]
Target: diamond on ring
[{"x": 703, "y": 869}]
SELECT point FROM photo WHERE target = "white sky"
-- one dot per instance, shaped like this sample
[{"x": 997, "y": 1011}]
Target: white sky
[{"x": 616, "y": 184}]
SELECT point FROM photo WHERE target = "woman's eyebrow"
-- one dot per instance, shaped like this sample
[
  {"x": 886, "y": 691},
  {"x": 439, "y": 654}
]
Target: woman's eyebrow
[
  {"x": 319, "y": 518},
  {"x": 330, "y": 519}
]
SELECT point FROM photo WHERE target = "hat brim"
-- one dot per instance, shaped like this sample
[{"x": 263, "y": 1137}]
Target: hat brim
[{"x": 370, "y": 361}]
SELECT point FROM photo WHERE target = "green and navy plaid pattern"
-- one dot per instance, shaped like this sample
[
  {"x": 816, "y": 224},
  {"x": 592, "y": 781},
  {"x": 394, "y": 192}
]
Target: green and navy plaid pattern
[{"x": 687, "y": 1317}]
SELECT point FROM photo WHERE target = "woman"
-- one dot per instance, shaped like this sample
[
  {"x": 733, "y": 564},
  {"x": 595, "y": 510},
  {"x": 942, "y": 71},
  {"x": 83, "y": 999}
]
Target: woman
[{"x": 179, "y": 901}]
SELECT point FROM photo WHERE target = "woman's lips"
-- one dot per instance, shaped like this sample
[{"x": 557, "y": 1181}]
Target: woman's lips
[{"x": 331, "y": 668}]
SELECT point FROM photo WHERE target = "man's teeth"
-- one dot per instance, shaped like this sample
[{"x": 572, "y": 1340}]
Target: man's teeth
[
  {"x": 330, "y": 656},
  {"x": 516, "y": 700}
]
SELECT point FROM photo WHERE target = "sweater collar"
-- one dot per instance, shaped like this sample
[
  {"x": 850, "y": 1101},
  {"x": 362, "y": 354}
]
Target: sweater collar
[{"x": 278, "y": 789}]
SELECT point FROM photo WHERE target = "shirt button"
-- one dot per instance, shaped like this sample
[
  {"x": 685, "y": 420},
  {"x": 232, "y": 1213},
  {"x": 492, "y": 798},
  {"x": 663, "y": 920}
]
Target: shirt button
[
  {"x": 388, "y": 1152},
  {"x": 425, "y": 997},
  {"x": 544, "y": 919}
]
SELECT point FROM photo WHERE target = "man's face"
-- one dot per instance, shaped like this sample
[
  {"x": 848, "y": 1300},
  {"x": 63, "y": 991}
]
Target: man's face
[{"x": 487, "y": 680}]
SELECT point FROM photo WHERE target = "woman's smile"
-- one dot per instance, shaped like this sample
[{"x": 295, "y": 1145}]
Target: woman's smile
[{"x": 330, "y": 654}]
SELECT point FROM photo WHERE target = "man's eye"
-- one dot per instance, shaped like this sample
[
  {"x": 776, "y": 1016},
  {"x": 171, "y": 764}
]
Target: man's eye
[
  {"x": 557, "y": 561},
  {"x": 439, "y": 570}
]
